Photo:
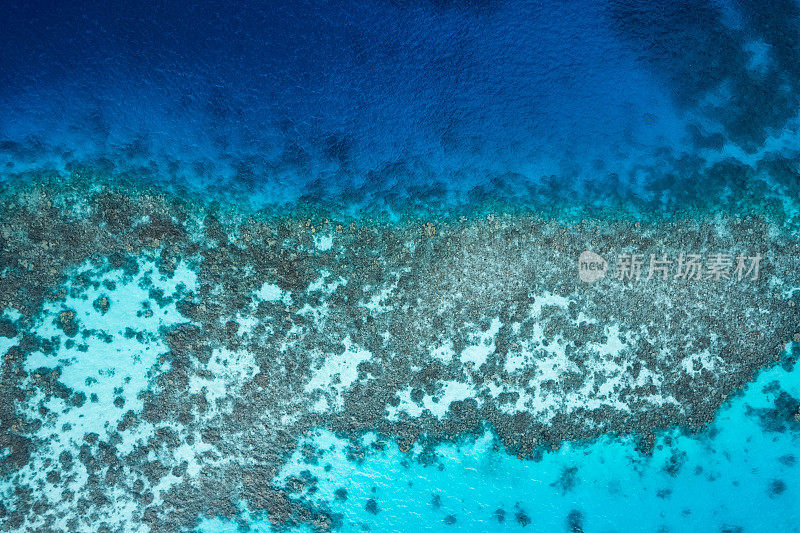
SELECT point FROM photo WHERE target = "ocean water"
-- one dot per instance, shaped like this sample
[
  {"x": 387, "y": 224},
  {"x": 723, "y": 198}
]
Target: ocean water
[{"x": 395, "y": 266}]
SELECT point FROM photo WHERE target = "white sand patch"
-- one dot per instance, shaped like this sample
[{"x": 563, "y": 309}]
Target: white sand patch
[
  {"x": 217, "y": 525},
  {"x": 378, "y": 302},
  {"x": 181, "y": 275},
  {"x": 321, "y": 312},
  {"x": 548, "y": 358},
  {"x": 614, "y": 344},
  {"x": 551, "y": 363},
  {"x": 438, "y": 405},
  {"x": 117, "y": 368},
  {"x": 197, "y": 456},
  {"x": 317, "y": 313},
  {"x": 246, "y": 323},
  {"x": 5, "y": 344},
  {"x": 484, "y": 345},
  {"x": 545, "y": 299},
  {"x": 269, "y": 292},
  {"x": 704, "y": 359},
  {"x": 321, "y": 284},
  {"x": 323, "y": 243},
  {"x": 554, "y": 362},
  {"x": 337, "y": 372},
  {"x": 11, "y": 314},
  {"x": 444, "y": 353},
  {"x": 530, "y": 400},
  {"x": 112, "y": 363}
]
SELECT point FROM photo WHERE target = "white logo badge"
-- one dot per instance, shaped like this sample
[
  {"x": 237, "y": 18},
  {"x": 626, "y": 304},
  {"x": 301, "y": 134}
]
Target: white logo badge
[{"x": 591, "y": 267}]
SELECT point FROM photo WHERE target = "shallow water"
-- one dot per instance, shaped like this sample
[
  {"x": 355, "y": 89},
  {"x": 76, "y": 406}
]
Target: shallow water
[{"x": 729, "y": 475}]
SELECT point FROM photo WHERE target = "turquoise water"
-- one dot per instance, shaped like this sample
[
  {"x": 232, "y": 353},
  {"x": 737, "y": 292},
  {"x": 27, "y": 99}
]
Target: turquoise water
[
  {"x": 729, "y": 475},
  {"x": 736, "y": 473}
]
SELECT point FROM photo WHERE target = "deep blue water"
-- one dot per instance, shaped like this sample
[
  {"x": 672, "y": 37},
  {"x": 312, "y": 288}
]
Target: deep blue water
[
  {"x": 379, "y": 95},
  {"x": 391, "y": 105},
  {"x": 389, "y": 99}
]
